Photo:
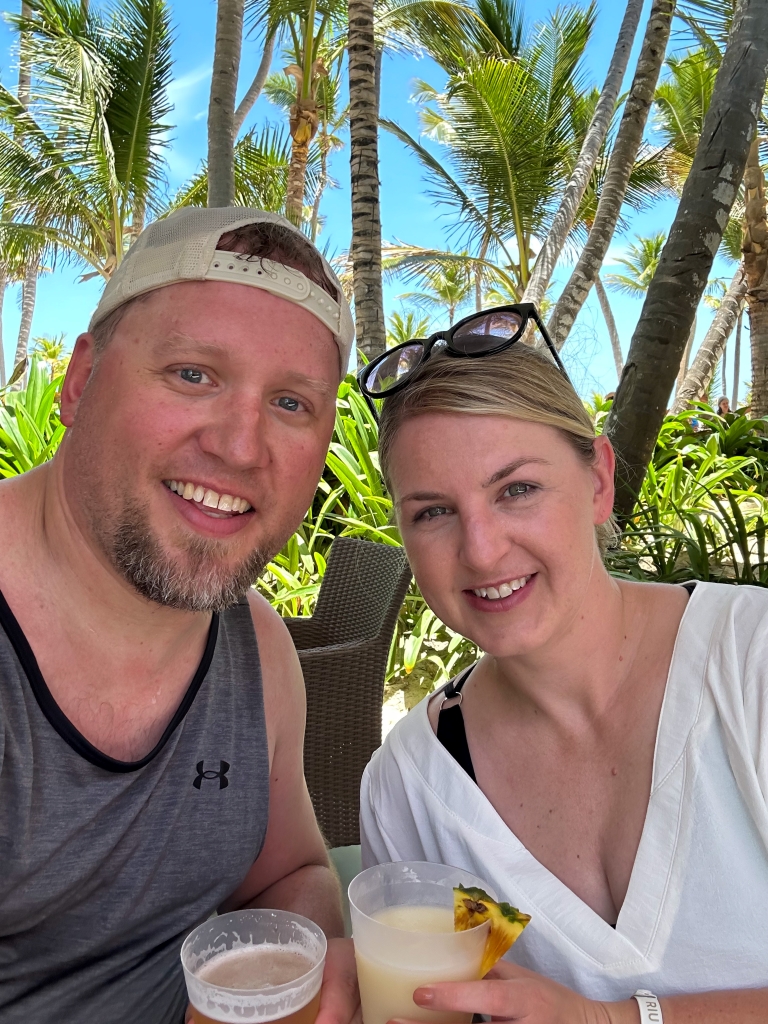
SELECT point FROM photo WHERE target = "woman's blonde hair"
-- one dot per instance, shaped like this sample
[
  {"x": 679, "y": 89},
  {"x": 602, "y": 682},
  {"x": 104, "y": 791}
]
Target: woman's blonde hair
[{"x": 520, "y": 382}]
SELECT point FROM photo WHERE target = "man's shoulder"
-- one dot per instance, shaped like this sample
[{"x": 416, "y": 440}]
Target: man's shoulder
[{"x": 279, "y": 662}]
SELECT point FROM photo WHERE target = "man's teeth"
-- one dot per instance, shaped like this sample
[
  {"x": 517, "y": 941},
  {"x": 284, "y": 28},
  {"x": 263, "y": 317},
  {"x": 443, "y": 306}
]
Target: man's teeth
[
  {"x": 494, "y": 593},
  {"x": 207, "y": 497}
]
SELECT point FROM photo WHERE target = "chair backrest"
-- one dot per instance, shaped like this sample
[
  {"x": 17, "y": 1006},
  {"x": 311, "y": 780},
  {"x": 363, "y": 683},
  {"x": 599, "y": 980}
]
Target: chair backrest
[
  {"x": 360, "y": 583},
  {"x": 357, "y": 608}
]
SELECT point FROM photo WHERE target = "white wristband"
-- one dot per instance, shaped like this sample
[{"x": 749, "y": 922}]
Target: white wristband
[{"x": 650, "y": 1008}]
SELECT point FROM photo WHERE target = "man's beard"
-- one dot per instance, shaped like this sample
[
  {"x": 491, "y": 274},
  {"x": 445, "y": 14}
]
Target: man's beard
[{"x": 199, "y": 582}]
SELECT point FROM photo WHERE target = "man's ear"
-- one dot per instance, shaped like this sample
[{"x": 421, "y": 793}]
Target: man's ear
[
  {"x": 78, "y": 374},
  {"x": 603, "y": 471}
]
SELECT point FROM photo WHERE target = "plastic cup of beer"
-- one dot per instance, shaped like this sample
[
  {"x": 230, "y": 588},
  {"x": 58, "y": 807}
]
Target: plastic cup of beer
[
  {"x": 254, "y": 965},
  {"x": 402, "y": 926}
]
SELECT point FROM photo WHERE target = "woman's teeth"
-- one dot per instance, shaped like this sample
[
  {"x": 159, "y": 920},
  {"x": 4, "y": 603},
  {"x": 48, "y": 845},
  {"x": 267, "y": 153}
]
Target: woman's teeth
[
  {"x": 494, "y": 593},
  {"x": 207, "y": 497}
]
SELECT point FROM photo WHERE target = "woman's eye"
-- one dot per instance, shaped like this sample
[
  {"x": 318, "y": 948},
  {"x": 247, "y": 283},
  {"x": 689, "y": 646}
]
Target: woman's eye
[
  {"x": 289, "y": 404},
  {"x": 193, "y": 376},
  {"x": 518, "y": 490},
  {"x": 434, "y": 512}
]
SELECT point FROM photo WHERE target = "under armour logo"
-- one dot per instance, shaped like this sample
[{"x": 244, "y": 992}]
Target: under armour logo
[{"x": 221, "y": 775}]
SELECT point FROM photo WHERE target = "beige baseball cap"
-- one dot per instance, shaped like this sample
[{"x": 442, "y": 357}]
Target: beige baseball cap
[{"x": 182, "y": 247}]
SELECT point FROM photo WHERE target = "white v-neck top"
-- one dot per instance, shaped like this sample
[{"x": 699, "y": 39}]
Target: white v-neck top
[{"x": 695, "y": 917}]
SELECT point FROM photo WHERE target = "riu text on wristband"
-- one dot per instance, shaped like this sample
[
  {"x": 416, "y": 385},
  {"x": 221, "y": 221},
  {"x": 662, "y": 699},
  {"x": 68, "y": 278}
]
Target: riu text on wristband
[{"x": 650, "y": 1008}]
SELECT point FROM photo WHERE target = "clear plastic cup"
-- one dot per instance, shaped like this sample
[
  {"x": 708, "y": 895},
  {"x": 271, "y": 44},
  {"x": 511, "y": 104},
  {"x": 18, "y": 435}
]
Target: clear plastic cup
[
  {"x": 295, "y": 1001},
  {"x": 402, "y": 926}
]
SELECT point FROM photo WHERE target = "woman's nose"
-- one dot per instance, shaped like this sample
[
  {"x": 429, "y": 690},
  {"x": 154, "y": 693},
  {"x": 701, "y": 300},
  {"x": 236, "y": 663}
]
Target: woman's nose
[{"x": 483, "y": 543}]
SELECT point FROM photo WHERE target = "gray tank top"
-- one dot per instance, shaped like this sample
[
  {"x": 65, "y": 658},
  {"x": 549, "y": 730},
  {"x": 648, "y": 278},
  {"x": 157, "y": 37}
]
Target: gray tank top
[{"x": 106, "y": 865}]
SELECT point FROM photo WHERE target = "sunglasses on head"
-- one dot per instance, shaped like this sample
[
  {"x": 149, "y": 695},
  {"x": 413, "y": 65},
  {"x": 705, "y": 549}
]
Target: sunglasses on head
[{"x": 482, "y": 334}]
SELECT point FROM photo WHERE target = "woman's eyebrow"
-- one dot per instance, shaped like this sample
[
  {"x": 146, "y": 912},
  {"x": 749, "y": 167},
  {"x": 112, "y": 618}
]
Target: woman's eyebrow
[{"x": 511, "y": 467}]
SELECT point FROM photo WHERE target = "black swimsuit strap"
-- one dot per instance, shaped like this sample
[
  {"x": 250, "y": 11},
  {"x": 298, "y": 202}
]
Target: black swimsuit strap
[{"x": 450, "y": 725}]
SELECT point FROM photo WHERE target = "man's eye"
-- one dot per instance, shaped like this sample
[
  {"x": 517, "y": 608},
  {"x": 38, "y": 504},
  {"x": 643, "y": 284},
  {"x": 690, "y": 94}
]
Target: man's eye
[
  {"x": 288, "y": 403},
  {"x": 193, "y": 376}
]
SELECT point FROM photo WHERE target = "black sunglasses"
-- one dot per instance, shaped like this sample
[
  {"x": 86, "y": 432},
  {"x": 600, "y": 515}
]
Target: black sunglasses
[{"x": 481, "y": 334}]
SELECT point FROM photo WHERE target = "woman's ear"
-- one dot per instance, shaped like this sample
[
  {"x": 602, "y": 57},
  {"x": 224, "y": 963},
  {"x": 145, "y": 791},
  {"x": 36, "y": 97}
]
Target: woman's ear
[
  {"x": 78, "y": 374},
  {"x": 603, "y": 470}
]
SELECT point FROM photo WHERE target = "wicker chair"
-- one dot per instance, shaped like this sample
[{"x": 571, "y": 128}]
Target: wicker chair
[{"x": 343, "y": 650}]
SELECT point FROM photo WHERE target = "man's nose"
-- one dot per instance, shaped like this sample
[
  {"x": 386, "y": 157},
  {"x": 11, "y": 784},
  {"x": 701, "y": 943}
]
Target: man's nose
[{"x": 237, "y": 434}]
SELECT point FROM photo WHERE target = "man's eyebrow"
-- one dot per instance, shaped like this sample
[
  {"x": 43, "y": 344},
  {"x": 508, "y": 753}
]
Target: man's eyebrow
[
  {"x": 177, "y": 341},
  {"x": 506, "y": 470},
  {"x": 329, "y": 390}
]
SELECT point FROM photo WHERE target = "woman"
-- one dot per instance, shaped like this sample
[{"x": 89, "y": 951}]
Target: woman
[
  {"x": 723, "y": 406},
  {"x": 607, "y": 768}
]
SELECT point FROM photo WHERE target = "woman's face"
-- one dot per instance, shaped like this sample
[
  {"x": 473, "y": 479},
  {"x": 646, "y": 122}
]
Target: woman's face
[{"x": 498, "y": 519}]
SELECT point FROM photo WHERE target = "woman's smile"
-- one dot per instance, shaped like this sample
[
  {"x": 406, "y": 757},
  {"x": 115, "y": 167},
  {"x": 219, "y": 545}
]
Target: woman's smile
[{"x": 502, "y": 596}]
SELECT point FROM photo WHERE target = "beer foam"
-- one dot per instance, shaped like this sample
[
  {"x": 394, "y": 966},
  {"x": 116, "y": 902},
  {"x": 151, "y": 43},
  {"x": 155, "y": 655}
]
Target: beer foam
[{"x": 256, "y": 967}]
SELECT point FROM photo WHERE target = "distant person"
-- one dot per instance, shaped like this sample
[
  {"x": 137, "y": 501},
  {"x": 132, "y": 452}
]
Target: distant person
[
  {"x": 723, "y": 406},
  {"x": 151, "y": 703},
  {"x": 604, "y": 765}
]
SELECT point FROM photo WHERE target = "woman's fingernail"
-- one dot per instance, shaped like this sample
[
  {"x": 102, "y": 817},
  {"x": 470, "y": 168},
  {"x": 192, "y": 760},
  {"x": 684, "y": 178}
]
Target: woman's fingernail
[{"x": 423, "y": 996}]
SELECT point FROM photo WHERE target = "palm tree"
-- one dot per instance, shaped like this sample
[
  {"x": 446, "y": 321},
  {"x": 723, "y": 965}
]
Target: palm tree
[
  {"x": 82, "y": 168},
  {"x": 444, "y": 286},
  {"x": 676, "y": 289},
  {"x": 221, "y": 107},
  {"x": 640, "y": 263},
  {"x": 331, "y": 119},
  {"x": 366, "y": 211},
  {"x": 261, "y": 161},
  {"x": 591, "y": 149},
  {"x": 313, "y": 34},
  {"x": 506, "y": 120},
  {"x": 755, "y": 248},
  {"x": 624, "y": 154},
  {"x": 403, "y": 328}
]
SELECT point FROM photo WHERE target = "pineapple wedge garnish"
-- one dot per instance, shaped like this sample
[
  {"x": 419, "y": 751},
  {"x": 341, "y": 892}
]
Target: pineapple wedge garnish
[{"x": 473, "y": 906}]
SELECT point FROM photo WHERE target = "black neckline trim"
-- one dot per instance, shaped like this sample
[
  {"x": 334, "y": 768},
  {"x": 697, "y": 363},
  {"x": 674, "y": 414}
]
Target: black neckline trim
[{"x": 72, "y": 736}]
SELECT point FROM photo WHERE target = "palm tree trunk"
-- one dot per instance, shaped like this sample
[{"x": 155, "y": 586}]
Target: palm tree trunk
[
  {"x": 254, "y": 90},
  {"x": 610, "y": 323},
  {"x": 24, "y": 92},
  {"x": 699, "y": 376},
  {"x": 685, "y": 361},
  {"x": 585, "y": 164},
  {"x": 697, "y": 230},
  {"x": 304, "y": 123},
  {"x": 364, "y": 159},
  {"x": 322, "y": 182},
  {"x": 3, "y": 285},
  {"x": 625, "y": 150},
  {"x": 28, "y": 294},
  {"x": 737, "y": 359},
  {"x": 221, "y": 107},
  {"x": 755, "y": 249}
]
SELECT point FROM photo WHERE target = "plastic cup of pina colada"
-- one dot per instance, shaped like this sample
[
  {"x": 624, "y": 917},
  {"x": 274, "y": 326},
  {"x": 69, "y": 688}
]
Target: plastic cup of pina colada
[
  {"x": 405, "y": 925},
  {"x": 254, "y": 965}
]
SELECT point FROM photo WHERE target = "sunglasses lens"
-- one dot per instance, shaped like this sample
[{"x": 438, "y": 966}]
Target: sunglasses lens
[
  {"x": 485, "y": 332},
  {"x": 394, "y": 368}
]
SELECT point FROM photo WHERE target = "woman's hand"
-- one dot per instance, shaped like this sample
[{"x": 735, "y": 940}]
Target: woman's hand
[{"x": 512, "y": 993}]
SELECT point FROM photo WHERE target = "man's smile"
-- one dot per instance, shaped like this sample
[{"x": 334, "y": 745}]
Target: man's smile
[{"x": 209, "y": 501}]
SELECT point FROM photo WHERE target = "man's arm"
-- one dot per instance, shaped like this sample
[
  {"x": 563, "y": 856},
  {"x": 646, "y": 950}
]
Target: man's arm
[{"x": 292, "y": 872}]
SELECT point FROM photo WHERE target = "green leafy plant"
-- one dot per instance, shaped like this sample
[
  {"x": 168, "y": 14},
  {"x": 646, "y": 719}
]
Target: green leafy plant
[{"x": 30, "y": 428}]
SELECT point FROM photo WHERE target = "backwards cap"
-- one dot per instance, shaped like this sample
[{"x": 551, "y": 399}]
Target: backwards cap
[{"x": 182, "y": 247}]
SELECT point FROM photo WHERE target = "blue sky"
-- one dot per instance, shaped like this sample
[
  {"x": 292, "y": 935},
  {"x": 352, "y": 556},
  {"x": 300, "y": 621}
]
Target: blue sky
[{"x": 408, "y": 214}]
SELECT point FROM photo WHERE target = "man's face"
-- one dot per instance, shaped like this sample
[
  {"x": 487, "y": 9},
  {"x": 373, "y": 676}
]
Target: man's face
[{"x": 215, "y": 390}]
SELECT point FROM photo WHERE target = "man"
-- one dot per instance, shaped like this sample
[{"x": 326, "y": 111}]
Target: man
[{"x": 151, "y": 703}]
